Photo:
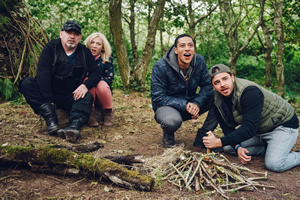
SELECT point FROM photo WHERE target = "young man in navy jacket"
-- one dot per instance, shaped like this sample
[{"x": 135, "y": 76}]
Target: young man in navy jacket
[{"x": 175, "y": 82}]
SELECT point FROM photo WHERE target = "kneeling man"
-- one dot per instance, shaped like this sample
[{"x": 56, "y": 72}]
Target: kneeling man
[{"x": 254, "y": 121}]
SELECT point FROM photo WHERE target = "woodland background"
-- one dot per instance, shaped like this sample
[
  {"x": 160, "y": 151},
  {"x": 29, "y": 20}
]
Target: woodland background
[{"x": 258, "y": 39}]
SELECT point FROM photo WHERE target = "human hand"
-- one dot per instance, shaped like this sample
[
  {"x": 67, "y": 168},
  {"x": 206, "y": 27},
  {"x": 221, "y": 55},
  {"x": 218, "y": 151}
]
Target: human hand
[
  {"x": 211, "y": 141},
  {"x": 242, "y": 154},
  {"x": 193, "y": 109},
  {"x": 80, "y": 92}
]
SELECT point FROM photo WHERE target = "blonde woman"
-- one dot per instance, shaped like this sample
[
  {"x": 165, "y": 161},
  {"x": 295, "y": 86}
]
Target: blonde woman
[{"x": 102, "y": 93}]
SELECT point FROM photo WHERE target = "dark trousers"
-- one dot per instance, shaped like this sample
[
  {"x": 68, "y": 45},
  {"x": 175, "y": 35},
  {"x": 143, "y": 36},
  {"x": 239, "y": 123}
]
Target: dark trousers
[
  {"x": 77, "y": 109},
  {"x": 170, "y": 119}
]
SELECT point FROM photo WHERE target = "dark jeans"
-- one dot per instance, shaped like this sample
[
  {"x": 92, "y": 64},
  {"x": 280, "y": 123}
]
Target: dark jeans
[
  {"x": 77, "y": 109},
  {"x": 171, "y": 119}
]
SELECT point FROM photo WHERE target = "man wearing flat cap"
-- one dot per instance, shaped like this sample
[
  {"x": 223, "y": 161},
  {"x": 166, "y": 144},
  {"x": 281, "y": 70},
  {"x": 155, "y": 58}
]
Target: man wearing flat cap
[
  {"x": 60, "y": 82},
  {"x": 254, "y": 121}
]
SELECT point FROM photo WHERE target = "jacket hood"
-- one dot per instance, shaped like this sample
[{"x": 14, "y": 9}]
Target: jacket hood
[{"x": 171, "y": 58}]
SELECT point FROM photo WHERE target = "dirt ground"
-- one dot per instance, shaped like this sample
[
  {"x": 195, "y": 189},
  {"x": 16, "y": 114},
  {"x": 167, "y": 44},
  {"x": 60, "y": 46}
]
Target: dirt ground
[{"x": 134, "y": 132}]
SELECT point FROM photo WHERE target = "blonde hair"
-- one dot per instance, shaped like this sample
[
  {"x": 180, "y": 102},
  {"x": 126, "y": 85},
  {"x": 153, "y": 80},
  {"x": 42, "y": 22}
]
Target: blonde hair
[{"x": 106, "y": 51}]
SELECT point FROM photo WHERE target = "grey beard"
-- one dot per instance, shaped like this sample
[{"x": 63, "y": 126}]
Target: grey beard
[{"x": 70, "y": 45}]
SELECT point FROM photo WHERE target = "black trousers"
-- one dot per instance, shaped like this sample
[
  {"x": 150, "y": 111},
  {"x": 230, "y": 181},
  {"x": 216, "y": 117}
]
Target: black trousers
[{"x": 80, "y": 108}]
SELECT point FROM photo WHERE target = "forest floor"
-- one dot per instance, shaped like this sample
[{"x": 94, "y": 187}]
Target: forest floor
[{"x": 134, "y": 132}]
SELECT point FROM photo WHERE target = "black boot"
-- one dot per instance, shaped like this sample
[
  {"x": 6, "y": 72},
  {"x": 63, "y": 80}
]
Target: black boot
[
  {"x": 198, "y": 140},
  {"x": 72, "y": 132},
  {"x": 168, "y": 140},
  {"x": 48, "y": 112}
]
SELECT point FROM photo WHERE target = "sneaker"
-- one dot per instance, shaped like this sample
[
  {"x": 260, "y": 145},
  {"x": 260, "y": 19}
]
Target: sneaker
[{"x": 168, "y": 140}]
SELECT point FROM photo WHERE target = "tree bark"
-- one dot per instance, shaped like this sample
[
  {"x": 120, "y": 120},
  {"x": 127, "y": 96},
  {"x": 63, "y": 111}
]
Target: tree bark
[
  {"x": 126, "y": 159},
  {"x": 142, "y": 67},
  {"x": 119, "y": 43},
  {"x": 140, "y": 72},
  {"x": 61, "y": 160},
  {"x": 278, "y": 26},
  {"x": 268, "y": 47},
  {"x": 268, "y": 58},
  {"x": 192, "y": 24},
  {"x": 135, "y": 57},
  {"x": 162, "y": 47}
]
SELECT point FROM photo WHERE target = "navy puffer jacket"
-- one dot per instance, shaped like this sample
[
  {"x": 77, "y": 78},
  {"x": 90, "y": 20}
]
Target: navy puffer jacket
[{"x": 168, "y": 86}]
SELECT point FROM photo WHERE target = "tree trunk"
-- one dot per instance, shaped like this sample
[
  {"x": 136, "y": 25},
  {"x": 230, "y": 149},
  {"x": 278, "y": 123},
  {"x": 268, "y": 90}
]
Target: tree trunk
[
  {"x": 231, "y": 22},
  {"x": 162, "y": 47},
  {"x": 132, "y": 33},
  {"x": 278, "y": 26},
  {"x": 268, "y": 47},
  {"x": 232, "y": 63},
  {"x": 46, "y": 159},
  {"x": 150, "y": 5},
  {"x": 139, "y": 75},
  {"x": 119, "y": 43},
  {"x": 142, "y": 67},
  {"x": 192, "y": 24},
  {"x": 268, "y": 58}
]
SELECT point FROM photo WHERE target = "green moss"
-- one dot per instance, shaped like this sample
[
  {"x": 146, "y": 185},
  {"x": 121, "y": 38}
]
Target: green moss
[
  {"x": 85, "y": 162},
  {"x": 104, "y": 164},
  {"x": 54, "y": 155},
  {"x": 15, "y": 151}
]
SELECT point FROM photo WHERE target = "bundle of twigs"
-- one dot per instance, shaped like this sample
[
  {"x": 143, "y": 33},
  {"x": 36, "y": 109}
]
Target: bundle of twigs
[
  {"x": 212, "y": 172},
  {"x": 22, "y": 39}
]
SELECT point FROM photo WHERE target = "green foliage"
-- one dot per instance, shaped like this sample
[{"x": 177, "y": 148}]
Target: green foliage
[
  {"x": 210, "y": 39},
  {"x": 8, "y": 92},
  {"x": 292, "y": 67},
  {"x": 5, "y": 6},
  {"x": 92, "y": 15},
  {"x": 117, "y": 82},
  {"x": 292, "y": 96},
  {"x": 212, "y": 44},
  {"x": 3, "y": 21},
  {"x": 137, "y": 87},
  {"x": 249, "y": 67},
  {"x": 291, "y": 21},
  {"x": 6, "y": 88}
]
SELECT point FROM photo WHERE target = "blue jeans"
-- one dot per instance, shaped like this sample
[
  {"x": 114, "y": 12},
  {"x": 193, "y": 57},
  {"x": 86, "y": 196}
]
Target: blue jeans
[{"x": 276, "y": 145}]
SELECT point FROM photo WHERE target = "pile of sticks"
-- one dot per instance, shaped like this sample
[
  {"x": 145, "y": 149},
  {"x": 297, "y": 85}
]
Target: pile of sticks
[{"x": 210, "y": 173}]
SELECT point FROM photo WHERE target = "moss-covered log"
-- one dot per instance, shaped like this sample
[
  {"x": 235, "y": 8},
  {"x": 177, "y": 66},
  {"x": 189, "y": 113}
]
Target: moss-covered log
[{"x": 86, "y": 163}]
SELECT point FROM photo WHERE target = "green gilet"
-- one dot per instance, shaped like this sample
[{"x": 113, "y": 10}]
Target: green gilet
[{"x": 275, "y": 109}]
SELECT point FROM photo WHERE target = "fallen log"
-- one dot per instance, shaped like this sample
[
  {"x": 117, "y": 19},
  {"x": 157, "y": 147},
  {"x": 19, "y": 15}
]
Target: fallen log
[
  {"x": 125, "y": 159},
  {"x": 81, "y": 148},
  {"x": 52, "y": 158}
]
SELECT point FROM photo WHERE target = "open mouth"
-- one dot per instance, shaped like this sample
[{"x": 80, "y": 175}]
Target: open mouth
[
  {"x": 187, "y": 55},
  {"x": 225, "y": 90}
]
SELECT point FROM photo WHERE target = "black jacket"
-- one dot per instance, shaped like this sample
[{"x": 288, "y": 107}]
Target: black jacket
[
  {"x": 107, "y": 70},
  {"x": 46, "y": 72},
  {"x": 168, "y": 85}
]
